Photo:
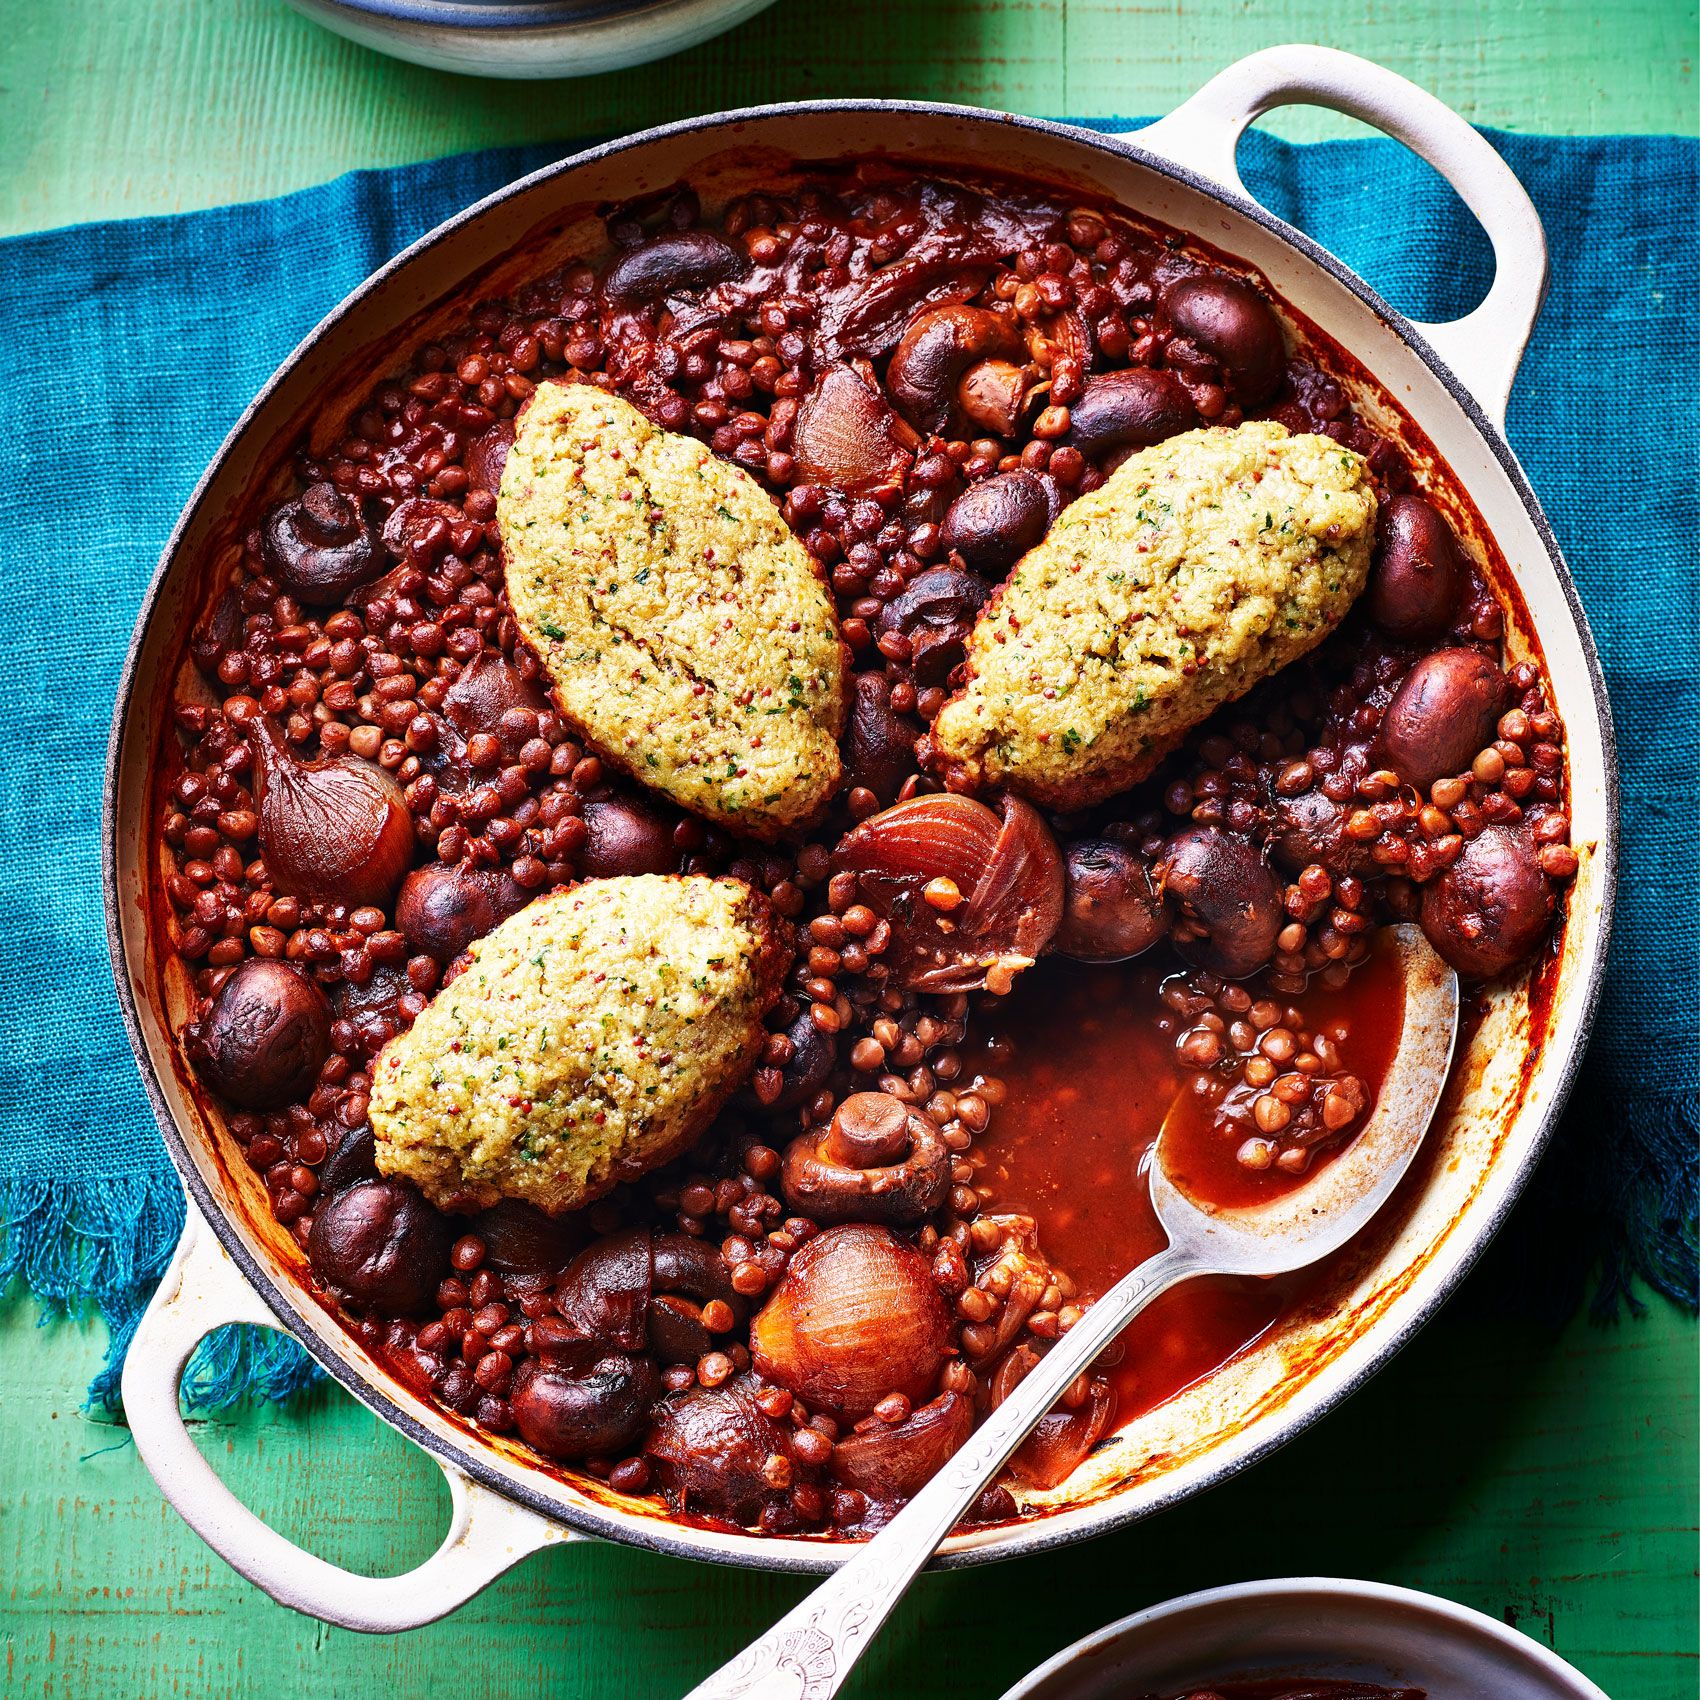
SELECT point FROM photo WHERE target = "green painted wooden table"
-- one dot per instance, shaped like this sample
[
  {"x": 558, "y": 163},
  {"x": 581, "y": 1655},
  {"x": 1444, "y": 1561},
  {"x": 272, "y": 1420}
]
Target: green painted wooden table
[{"x": 1549, "y": 1479}]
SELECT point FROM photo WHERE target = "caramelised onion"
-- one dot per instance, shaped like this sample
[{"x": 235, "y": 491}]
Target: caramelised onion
[
  {"x": 855, "y": 1317},
  {"x": 846, "y": 435},
  {"x": 892, "y": 1461},
  {"x": 971, "y": 898},
  {"x": 333, "y": 830},
  {"x": 1064, "y": 1436}
]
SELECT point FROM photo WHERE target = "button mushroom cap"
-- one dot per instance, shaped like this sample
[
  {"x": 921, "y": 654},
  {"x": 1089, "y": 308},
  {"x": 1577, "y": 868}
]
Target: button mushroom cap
[
  {"x": 1419, "y": 570},
  {"x": 444, "y": 906},
  {"x": 879, "y": 743},
  {"x": 935, "y": 612},
  {"x": 813, "y": 1057},
  {"x": 1112, "y": 910},
  {"x": 625, "y": 836},
  {"x": 877, "y": 1160},
  {"x": 671, "y": 263},
  {"x": 1492, "y": 907},
  {"x": 638, "y": 1291},
  {"x": 320, "y": 546},
  {"x": 380, "y": 1246},
  {"x": 1311, "y": 829},
  {"x": 1442, "y": 716},
  {"x": 937, "y": 352}
]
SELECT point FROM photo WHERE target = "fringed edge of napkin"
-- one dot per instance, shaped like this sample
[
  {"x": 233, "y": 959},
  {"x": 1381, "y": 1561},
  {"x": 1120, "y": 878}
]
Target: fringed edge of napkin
[
  {"x": 1651, "y": 1200},
  {"x": 107, "y": 1243}
]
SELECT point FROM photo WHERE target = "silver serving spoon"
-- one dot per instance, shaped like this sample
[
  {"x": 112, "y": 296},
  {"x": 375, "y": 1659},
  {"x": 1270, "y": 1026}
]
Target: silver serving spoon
[{"x": 810, "y": 1651}]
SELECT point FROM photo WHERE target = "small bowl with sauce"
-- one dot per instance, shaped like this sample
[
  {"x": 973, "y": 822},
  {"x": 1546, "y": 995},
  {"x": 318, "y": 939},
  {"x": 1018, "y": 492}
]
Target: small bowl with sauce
[{"x": 1307, "y": 1638}]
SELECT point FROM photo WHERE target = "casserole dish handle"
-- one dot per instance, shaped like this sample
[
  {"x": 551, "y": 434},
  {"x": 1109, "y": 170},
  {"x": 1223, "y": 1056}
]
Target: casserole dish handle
[
  {"x": 1484, "y": 347},
  {"x": 203, "y": 1290}
]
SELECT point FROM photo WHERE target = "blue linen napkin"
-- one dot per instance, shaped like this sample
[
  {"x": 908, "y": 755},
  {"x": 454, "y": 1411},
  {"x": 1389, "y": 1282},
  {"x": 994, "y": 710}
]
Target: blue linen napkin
[{"x": 129, "y": 349}]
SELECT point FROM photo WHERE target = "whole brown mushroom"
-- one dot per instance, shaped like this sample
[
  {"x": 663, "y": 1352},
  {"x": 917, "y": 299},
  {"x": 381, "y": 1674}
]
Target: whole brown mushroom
[
  {"x": 265, "y": 1037},
  {"x": 320, "y": 545},
  {"x": 1418, "y": 574},
  {"x": 1225, "y": 903},
  {"x": 1309, "y": 829},
  {"x": 955, "y": 364},
  {"x": 993, "y": 523},
  {"x": 1492, "y": 907},
  {"x": 712, "y": 1447},
  {"x": 1111, "y": 909},
  {"x": 625, "y": 836},
  {"x": 877, "y": 1160},
  {"x": 879, "y": 743},
  {"x": 444, "y": 906},
  {"x": 380, "y": 1246},
  {"x": 1232, "y": 325},
  {"x": 935, "y": 612},
  {"x": 594, "y": 1407},
  {"x": 671, "y": 263},
  {"x": 1442, "y": 716},
  {"x": 1130, "y": 409}
]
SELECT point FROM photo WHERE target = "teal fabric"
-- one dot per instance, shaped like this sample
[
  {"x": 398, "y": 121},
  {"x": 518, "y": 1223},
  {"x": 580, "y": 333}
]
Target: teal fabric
[{"x": 130, "y": 348}]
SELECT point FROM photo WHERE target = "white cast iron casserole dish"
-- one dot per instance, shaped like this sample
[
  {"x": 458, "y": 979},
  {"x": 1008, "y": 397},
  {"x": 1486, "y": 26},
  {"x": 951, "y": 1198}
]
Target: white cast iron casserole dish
[{"x": 1449, "y": 381}]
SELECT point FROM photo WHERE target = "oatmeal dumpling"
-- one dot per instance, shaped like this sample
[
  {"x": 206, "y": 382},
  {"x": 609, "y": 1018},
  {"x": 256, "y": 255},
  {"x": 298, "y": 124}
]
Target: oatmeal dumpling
[
  {"x": 593, "y": 1036},
  {"x": 684, "y": 630},
  {"x": 1198, "y": 568}
]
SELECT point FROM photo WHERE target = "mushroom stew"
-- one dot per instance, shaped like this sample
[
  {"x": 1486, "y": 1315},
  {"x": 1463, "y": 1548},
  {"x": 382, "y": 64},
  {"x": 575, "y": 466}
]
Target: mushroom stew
[{"x": 934, "y": 1157}]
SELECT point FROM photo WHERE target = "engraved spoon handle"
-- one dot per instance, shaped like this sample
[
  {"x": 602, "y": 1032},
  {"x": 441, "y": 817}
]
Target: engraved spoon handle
[{"x": 810, "y": 1651}]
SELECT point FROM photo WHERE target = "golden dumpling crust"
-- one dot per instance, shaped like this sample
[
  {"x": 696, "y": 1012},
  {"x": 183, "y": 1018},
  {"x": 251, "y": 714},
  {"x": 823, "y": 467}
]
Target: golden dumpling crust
[
  {"x": 592, "y": 1036},
  {"x": 1198, "y": 568},
  {"x": 683, "y": 629}
]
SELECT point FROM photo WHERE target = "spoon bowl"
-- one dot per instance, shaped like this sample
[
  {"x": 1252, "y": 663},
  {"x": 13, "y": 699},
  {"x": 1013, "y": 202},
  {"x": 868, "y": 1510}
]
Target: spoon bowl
[
  {"x": 809, "y": 1652},
  {"x": 1305, "y": 1223}
]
